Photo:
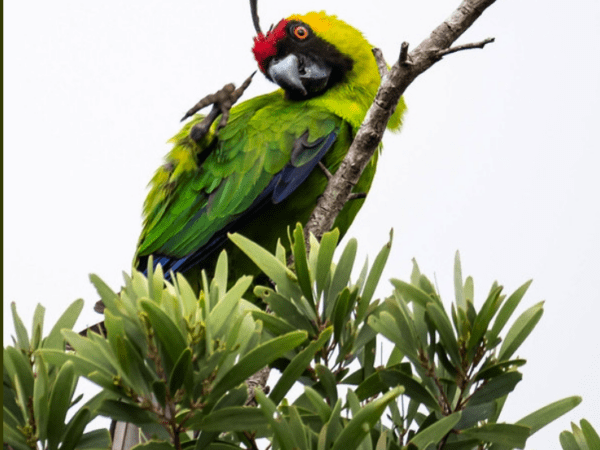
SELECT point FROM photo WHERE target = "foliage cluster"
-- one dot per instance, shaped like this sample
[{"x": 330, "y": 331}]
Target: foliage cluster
[{"x": 174, "y": 362}]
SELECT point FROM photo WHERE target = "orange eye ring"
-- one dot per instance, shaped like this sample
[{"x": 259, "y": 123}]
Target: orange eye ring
[{"x": 301, "y": 32}]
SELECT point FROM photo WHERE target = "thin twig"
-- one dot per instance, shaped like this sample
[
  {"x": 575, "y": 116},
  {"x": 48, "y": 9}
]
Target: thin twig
[
  {"x": 403, "y": 59},
  {"x": 381, "y": 64},
  {"x": 325, "y": 170},
  {"x": 459, "y": 48},
  {"x": 357, "y": 195}
]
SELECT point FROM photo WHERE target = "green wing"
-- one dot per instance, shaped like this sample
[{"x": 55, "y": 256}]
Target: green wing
[{"x": 267, "y": 150}]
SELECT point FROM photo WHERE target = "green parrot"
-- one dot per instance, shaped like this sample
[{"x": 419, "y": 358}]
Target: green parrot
[{"x": 260, "y": 174}]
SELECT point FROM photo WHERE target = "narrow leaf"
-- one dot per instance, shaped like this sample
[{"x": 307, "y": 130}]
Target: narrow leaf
[
  {"x": 361, "y": 424},
  {"x": 301, "y": 265},
  {"x": 519, "y": 331},
  {"x": 374, "y": 277},
  {"x": 341, "y": 276},
  {"x": 543, "y": 416},
  {"x": 55, "y": 339},
  {"x": 277, "y": 271},
  {"x": 166, "y": 330},
  {"x": 20, "y": 330},
  {"x": 297, "y": 366},
  {"x": 458, "y": 283},
  {"x": 434, "y": 433},
  {"x": 508, "y": 435},
  {"x": 234, "y": 418},
  {"x": 281, "y": 428},
  {"x": 495, "y": 388},
  {"x": 75, "y": 428},
  {"x": 591, "y": 436},
  {"x": 507, "y": 310},
  {"x": 256, "y": 359},
  {"x": 444, "y": 329},
  {"x": 182, "y": 373},
  {"x": 60, "y": 401}
]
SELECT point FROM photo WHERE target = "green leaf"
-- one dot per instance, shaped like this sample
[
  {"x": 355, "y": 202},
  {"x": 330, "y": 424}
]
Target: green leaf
[
  {"x": 159, "y": 389},
  {"x": 365, "y": 443},
  {"x": 334, "y": 424},
  {"x": 458, "y": 283},
  {"x": 37, "y": 326},
  {"x": 125, "y": 412},
  {"x": 75, "y": 428},
  {"x": 21, "y": 375},
  {"x": 412, "y": 388},
  {"x": 435, "y": 433},
  {"x": 543, "y": 416},
  {"x": 398, "y": 333},
  {"x": 320, "y": 406},
  {"x": 340, "y": 313},
  {"x": 498, "y": 369},
  {"x": 373, "y": 278},
  {"x": 327, "y": 248},
  {"x": 286, "y": 308},
  {"x": 301, "y": 265},
  {"x": 412, "y": 293},
  {"x": 444, "y": 329},
  {"x": 221, "y": 313},
  {"x": 507, "y": 310},
  {"x": 96, "y": 439},
  {"x": 328, "y": 382},
  {"x": 483, "y": 319},
  {"x": 519, "y": 331},
  {"x": 341, "y": 275},
  {"x": 361, "y": 424},
  {"x": 297, "y": 366},
  {"x": 281, "y": 428},
  {"x": 276, "y": 325},
  {"x": 283, "y": 277},
  {"x": 473, "y": 414},
  {"x": 60, "y": 400},
  {"x": 297, "y": 428},
  {"x": 509, "y": 435},
  {"x": 20, "y": 330},
  {"x": 495, "y": 388},
  {"x": 591, "y": 437},
  {"x": 14, "y": 438},
  {"x": 108, "y": 296},
  {"x": 55, "y": 339},
  {"x": 182, "y": 373},
  {"x": 370, "y": 386},
  {"x": 221, "y": 271},
  {"x": 568, "y": 442},
  {"x": 40, "y": 398},
  {"x": 166, "y": 331},
  {"x": 233, "y": 418},
  {"x": 256, "y": 359}
]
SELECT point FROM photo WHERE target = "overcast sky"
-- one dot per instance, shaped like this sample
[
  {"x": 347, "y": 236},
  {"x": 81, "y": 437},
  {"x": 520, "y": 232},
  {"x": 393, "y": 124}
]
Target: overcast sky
[{"x": 498, "y": 156}]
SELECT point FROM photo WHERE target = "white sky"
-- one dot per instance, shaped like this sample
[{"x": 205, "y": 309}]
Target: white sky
[{"x": 498, "y": 157}]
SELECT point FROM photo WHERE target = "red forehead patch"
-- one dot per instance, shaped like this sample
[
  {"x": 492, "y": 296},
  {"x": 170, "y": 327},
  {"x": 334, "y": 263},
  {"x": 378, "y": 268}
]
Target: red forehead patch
[{"x": 266, "y": 46}]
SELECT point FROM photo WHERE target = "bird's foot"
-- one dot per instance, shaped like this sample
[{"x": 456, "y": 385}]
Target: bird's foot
[{"x": 222, "y": 102}]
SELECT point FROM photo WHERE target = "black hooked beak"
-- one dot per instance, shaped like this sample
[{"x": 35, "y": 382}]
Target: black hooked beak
[{"x": 299, "y": 76}]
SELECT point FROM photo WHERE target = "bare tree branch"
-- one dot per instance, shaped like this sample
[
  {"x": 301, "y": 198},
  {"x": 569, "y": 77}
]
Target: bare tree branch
[{"x": 393, "y": 84}]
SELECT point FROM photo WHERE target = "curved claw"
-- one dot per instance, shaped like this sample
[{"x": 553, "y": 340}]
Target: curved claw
[{"x": 222, "y": 102}]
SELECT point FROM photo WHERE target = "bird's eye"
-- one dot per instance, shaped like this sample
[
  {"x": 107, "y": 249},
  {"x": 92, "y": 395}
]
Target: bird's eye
[{"x": 301, "y": 32}]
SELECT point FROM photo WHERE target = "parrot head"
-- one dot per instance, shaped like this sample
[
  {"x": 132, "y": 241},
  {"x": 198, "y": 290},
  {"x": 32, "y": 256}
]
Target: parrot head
[{"x": 303, "y": 54}]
